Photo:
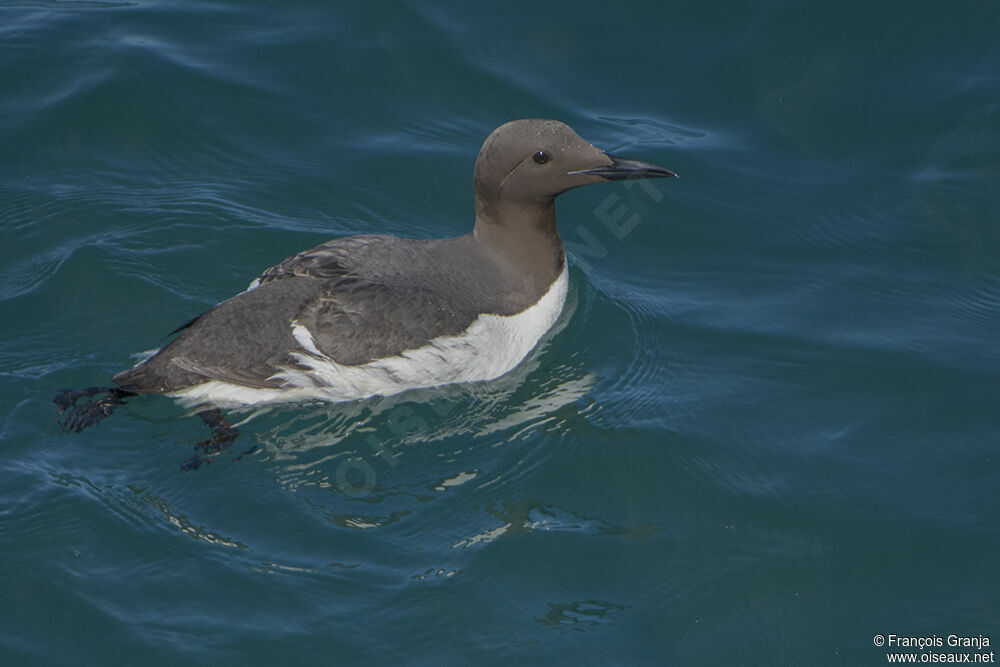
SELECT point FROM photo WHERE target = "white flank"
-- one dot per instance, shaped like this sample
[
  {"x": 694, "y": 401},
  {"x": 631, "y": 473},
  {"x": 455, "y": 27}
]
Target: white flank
[{"x": 492, "y": 346}]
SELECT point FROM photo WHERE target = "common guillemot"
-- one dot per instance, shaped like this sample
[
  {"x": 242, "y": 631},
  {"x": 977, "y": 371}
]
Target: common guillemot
[{"x": 377, "y": 315}]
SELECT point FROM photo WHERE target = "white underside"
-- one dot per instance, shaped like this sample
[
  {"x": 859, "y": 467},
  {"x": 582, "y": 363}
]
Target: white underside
[{"x": 492, "y": 346}]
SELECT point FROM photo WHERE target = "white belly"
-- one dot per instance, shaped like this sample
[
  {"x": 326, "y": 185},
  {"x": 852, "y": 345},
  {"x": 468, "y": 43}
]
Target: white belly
[{"x": 492, "y": 346}]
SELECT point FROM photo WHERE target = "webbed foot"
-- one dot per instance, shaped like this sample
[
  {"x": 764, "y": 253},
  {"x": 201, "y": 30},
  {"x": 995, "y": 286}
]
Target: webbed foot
[
  {"x": 223, "y": 434},
  {"x": 75, "y": 417}
]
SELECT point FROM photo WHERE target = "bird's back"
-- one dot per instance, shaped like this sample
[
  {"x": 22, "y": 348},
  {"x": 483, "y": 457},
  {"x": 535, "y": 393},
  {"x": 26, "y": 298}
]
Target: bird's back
[{"x": 350, "y": 301}]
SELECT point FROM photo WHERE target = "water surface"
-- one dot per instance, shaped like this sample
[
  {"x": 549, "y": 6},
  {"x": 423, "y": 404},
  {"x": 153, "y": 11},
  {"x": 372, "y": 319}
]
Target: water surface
[{"x": 763, "y": 432}]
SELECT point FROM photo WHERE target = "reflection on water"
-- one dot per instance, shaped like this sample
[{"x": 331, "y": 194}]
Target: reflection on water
[
  {"x": 341, "y": 447},
  {"x": 182, "y": 522},
  {"x": 522, "y": 517},
  {"x": 590, "y": 612}
]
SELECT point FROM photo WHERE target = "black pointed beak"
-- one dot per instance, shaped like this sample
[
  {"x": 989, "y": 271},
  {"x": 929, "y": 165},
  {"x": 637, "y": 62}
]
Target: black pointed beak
[{"x": 621, "y": 169}]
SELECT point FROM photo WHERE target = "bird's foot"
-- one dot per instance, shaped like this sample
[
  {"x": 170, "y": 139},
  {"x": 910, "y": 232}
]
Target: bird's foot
[
  {"x": 223, "y": 434},
  {"x": 74, "y": 416}
]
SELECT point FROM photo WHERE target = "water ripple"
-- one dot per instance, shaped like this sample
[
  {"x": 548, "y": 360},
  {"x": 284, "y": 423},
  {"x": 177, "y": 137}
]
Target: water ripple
[{"x": 638, "y": 375}]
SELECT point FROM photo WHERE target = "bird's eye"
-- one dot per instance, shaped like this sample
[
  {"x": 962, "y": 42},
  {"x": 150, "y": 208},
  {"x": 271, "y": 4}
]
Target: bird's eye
[{"x": 541, "y": 157}]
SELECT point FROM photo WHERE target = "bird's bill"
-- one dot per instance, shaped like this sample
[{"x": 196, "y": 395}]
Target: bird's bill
[{"x": 621, "y": 169}]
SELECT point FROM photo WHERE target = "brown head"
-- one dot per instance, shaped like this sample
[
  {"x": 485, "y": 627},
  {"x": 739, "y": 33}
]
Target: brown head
[{"x": 523, "y": 165}]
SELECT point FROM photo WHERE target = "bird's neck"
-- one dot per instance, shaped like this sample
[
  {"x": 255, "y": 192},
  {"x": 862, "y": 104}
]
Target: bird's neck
[{"x": 525, "y": 236}]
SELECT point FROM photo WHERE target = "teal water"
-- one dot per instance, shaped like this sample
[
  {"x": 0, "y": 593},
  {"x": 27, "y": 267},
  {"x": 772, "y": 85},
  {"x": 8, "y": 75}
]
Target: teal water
[{"x": 764, "y": 432}]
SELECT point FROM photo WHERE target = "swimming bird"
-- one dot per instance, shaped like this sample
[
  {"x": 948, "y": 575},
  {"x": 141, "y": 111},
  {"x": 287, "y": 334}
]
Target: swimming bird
[{"x": 372, "y": 315}]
